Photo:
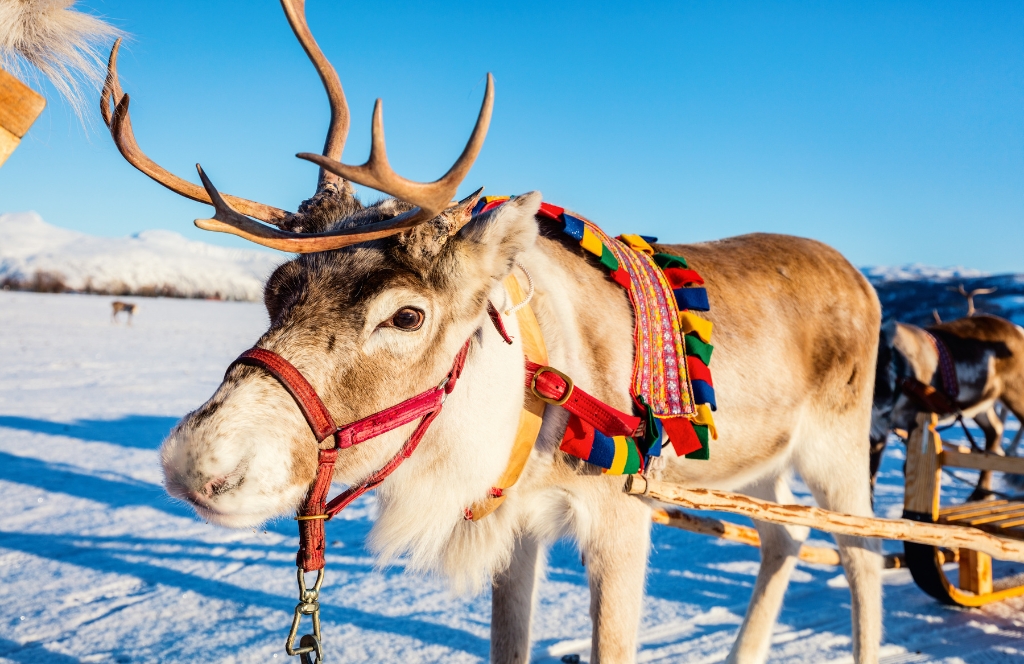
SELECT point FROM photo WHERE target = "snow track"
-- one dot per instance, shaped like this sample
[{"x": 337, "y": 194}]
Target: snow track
[{"x": 97, "y": 564}]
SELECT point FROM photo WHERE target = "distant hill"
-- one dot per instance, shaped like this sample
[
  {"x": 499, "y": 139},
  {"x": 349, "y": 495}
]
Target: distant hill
[{"x": 37, "y": 256}]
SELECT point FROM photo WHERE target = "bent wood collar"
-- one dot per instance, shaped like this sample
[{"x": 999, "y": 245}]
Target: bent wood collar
[{"x": 532, "y": 415}]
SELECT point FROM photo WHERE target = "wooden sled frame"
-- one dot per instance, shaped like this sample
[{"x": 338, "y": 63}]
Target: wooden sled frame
[{"x": 925, "y": 461}]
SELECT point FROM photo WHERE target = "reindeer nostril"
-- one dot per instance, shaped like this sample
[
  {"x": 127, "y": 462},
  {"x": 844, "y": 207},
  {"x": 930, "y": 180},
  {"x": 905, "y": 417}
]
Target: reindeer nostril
[{"x": 213, "y": 487}]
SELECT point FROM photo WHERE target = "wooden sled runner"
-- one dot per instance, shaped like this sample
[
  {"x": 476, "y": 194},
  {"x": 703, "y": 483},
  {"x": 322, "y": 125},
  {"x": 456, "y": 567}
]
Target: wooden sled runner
[{"x": 1005, "y": 518}]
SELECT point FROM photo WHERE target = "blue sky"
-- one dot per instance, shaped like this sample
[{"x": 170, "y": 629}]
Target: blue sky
[{"x": 892, "y": 131}]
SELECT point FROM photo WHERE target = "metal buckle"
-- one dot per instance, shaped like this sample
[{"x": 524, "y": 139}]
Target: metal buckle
[
  {"x": 309, "y": 605},
  {"x": 569, "y": 386}
]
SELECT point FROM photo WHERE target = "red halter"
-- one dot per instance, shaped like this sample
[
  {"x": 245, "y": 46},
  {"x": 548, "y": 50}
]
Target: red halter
[
  {"x": 314, "y": 511},
  {"x": 548, "y": 384}
]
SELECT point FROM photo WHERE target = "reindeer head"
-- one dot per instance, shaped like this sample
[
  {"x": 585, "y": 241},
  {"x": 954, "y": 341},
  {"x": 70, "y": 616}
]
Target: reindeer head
[{"x": 372, "y": 311}]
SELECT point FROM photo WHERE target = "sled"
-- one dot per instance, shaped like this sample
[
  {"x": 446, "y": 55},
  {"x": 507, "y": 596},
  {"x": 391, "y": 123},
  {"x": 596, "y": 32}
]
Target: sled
[{"x": 926, "y": 457}]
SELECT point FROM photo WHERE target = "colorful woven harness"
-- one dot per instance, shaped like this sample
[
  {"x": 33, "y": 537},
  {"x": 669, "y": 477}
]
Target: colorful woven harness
[{"x": 671, "y": 386}]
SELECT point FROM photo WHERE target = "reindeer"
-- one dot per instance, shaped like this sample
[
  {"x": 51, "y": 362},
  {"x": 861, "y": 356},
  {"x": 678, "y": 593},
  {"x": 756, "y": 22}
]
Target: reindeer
[
  {"x": 119, "y": 306},
  {"x": 382, "y": 297},
  {"x": 988, "y": 355}
]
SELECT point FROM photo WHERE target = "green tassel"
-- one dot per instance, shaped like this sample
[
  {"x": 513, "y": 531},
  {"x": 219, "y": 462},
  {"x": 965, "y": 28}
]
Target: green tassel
[
  {"x": 608, "y": 259},
  {"x": 696, "y": 346},
  {"x": 666, "y": 261},
  {"x": 704, "y": 453}
]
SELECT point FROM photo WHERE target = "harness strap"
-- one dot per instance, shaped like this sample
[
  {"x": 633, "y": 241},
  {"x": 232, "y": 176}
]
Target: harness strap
[
  {"x": 947, "y": 368},
  {"x": 313, "y": 409},
  {"x": 558, "y": 389},
  {"x": 928, "y": 398},
  {"x": 532, "y": 415}
]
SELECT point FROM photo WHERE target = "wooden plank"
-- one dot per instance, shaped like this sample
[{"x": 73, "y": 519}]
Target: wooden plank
[
  {"x": 931, "y": 534},
  {"x": 8, "y": 143},
  {"x": 979, "y": 461},
  {"x": 970, "y": 507},
  {"x": 994, "y": 518},
  {"x": 980, "y": 510},
  {"x": 20, "y": 105},
  {"x": 923, "y": 471},
  {"x": 975, "y": 572}
]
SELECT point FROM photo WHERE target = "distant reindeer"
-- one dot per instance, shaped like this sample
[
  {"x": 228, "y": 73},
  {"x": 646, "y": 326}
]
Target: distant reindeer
[
  {"x": 119, "y": 306},
  {"x": 988, "y": 355}
]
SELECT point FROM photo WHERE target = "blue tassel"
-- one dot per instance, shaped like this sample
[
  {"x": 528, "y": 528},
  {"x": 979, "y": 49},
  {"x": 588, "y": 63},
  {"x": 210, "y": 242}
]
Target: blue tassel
[{"x": 695, "y": 299}]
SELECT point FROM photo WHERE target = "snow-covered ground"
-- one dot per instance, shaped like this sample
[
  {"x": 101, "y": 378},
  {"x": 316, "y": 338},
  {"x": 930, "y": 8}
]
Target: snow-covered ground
[
  {"x": 98, "y": 565},
  {"x": 151, "y": 261}
]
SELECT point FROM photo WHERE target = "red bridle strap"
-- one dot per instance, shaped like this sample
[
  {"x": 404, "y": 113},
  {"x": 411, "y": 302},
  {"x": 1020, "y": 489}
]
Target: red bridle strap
[{"x": 315, "y": 510}]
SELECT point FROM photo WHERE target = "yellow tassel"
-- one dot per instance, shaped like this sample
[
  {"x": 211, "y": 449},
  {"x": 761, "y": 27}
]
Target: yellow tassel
[
  {"x": 592, "y": 243},
  {"x": 690, "y": 322},
  {"x": 637, "y": 243},
  {"x": 704, "y": 417}
]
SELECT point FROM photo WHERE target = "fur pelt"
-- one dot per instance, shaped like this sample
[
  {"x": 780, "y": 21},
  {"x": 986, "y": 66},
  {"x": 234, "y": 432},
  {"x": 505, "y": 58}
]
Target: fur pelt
[{"x": 50, "y": 37}]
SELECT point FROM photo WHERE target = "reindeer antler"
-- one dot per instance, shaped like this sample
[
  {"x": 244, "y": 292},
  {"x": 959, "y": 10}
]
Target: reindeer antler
[
  {"x": 334, "y": 145},
  {"x": 970, "y": 296},
  {"x": 232, "y": 213},
  {"x": 431, "y": 198},
  {"x": 120, "y": 125}
]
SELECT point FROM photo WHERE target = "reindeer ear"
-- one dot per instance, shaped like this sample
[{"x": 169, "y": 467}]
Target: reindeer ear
[{"x": 499, "y": 236}]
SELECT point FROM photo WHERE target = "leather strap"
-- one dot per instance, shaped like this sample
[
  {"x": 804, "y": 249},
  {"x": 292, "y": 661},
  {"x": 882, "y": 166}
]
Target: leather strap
[
  {"x": 313, "y": 409},
  {"x": 554, "y": 387},
  {"x": 947, "y": 367}
]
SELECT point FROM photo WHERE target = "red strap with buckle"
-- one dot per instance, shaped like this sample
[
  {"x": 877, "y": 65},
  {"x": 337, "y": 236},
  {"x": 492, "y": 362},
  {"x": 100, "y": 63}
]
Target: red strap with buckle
[{"x": 558, "y": 389}]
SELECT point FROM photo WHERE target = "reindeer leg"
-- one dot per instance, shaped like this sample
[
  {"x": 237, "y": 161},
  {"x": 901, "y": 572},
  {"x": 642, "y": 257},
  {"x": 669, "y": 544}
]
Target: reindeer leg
[
  {"x": 512, "y": 598},
  {"x": 780, "y": 546},
  {"x": 841, "y": 446},
  {"x": 615, "y": 544},
  {"x": 992, "y": 426}
]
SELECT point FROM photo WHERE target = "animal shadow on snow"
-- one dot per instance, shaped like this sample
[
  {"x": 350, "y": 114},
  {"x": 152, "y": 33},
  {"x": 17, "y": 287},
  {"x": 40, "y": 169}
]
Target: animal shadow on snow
[
  {"x": 141, "y": 431},
  {"x": 154, "y": 558}
]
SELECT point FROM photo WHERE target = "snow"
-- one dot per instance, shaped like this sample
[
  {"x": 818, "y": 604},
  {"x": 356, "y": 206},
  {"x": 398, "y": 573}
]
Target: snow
[
  {"x": 97, "y": 564},
  {"x": 153, "y": 261}
]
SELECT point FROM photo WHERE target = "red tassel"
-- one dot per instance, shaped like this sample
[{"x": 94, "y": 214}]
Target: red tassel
[
  {"x": 681, "y": 434},
  {"x": 680, "y": 278},
  {"x": 578, "y": 439},
  {"x": 621, "y": 277}
]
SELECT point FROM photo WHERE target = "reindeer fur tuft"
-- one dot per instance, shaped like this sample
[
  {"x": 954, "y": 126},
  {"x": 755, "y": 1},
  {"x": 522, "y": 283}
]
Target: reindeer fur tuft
[{"x": 63, "y": 44}]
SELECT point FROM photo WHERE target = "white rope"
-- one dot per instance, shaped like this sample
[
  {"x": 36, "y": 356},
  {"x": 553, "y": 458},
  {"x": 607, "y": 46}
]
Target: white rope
[{"x": 529, "y": 293}]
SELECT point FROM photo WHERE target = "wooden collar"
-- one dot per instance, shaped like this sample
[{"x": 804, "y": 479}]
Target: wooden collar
[{"x": 532, "y": 414}]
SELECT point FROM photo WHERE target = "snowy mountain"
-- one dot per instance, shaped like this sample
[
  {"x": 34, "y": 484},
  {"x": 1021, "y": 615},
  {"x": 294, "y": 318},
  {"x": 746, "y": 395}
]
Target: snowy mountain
[
  {"x": 919, "y": 272},
  {"x": 35, "y": 255},
  {"x": 910, "y": 293}
]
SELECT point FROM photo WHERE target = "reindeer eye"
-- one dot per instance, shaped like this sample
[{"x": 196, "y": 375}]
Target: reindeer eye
[{"x": 407, "y": 318}]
